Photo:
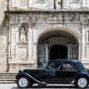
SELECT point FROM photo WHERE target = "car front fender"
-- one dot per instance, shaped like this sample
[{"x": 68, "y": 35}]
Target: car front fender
[{"x": 23, "y": 74}]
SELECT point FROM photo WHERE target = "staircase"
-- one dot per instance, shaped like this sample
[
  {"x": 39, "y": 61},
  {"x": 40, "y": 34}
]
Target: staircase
[{"x": 7, "y": 78}]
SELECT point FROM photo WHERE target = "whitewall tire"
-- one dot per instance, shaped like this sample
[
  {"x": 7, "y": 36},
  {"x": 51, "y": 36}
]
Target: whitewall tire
[
  {"x": 82, "y": 82},
  {"x": 23, "y": 82}
]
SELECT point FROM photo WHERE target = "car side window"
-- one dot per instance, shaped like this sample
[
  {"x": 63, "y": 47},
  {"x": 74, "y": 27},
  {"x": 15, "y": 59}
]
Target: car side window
[
  {"x": 68, "y": 66},
  {"x": 55, "y": 66}
]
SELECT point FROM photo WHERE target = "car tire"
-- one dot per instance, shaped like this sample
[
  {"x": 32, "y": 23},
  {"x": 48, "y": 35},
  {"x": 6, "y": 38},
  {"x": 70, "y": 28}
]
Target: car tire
[
  {"x": 24, "y": 82},
  {"x": 82, "y": 82}
]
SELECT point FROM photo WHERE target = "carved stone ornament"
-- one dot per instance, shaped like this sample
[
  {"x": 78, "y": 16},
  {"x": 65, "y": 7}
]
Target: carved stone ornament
[{"x": 52, "y": 18}]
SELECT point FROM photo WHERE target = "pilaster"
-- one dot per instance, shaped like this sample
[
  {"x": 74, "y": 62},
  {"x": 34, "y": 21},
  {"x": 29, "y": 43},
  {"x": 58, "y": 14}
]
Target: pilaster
[
  {"x": 30, "y": 43},
  {"x": 83, "y": 42}
]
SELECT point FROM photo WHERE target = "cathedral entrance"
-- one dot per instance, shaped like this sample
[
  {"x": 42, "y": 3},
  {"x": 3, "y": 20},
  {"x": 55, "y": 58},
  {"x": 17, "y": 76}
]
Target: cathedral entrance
[
  {"x": 58, "y": 52},
  {"x": 57, "y": 44}
]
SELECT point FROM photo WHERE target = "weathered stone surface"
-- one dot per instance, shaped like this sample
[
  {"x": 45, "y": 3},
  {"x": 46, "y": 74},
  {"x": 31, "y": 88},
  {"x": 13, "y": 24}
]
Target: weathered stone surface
[
  {"x": 67, "y": 26},
  {"x": 3, "y": 36}
]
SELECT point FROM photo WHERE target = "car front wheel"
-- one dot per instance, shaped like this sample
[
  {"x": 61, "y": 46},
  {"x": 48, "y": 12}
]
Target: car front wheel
[
  {"x": 23, "y": 82},
  {"x": 82, "y": 82}
]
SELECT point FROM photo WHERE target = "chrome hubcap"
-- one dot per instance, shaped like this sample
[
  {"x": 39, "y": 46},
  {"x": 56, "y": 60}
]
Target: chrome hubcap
[
  {"x": 23, "y": 82},
  {"x": 82, "y": 82}
]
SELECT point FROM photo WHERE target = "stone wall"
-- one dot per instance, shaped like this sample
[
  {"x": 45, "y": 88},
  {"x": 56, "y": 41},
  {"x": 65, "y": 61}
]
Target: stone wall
[
  {"x": 48, "y": 5},
  {"x": 3, "y": 36},
  {"x": 20, "y": 51}
]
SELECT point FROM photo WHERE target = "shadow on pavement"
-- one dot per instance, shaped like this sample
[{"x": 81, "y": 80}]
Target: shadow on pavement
[{"x": 50, "y": 87}]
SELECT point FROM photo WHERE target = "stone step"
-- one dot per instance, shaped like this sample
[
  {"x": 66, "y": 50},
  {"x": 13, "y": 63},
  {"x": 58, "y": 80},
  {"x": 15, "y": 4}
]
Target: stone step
[
  {"x": 7, "y": 78},
  {"x": 7, "y": 82},
  {"x": 8, "y": 73}
]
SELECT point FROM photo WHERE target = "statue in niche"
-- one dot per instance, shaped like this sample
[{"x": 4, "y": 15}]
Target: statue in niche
[
  {"x": 22, "y": 35},
  {"x": 57, "y": 4}
]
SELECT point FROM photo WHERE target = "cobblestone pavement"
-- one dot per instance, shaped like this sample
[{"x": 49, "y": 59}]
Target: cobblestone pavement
[{"x": 14, "y": 86}]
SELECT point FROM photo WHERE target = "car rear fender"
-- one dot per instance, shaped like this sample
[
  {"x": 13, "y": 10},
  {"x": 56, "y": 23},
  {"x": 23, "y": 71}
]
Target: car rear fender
[
  {"x": 21, "y": 73},
  {"x": 82, "y": 74}
]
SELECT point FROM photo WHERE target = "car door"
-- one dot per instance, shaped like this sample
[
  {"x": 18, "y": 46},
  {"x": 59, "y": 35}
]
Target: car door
[
  {"x": 59, "y": 79},
  {"x": 69, "y": 71},
  {"x": 52, "y": 75}
]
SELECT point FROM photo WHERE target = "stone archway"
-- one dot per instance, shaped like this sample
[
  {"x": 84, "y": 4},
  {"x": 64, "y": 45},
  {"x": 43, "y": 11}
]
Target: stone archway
[{"x": 52, "y": 39}]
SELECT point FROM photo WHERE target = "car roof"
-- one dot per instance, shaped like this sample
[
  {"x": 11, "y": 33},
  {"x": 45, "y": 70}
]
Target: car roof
[
  {"x": 78, "y": 64},
  {"x": 65, "y": 60}
]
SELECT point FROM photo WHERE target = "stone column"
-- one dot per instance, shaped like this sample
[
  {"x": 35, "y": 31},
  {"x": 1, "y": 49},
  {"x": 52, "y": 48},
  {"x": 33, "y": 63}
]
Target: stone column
[
  {"x": 80, "y": 51},
  {"x": 47, "y": 54},
  {"x": 83, "y": 42},
  {"x": 30, "y": 43}
]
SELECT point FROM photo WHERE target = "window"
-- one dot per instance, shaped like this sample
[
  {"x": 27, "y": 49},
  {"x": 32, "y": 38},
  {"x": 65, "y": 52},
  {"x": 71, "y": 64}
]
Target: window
[
  {"x": 53, "y": 65},
  {"x": 68, "y": 66}
]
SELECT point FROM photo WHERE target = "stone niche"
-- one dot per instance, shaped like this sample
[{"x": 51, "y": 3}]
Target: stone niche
[
  {"x": 18, "y": 42},
  {"x": 22, "y": 44}
]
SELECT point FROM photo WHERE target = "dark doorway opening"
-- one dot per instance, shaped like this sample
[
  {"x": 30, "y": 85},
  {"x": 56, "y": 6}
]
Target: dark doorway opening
[{"x": 58, "y": 52}]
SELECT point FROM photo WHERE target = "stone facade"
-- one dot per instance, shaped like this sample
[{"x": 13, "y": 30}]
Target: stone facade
[
  {"x": 36, "y": 31},
  {"x": 3, "y": 37}
]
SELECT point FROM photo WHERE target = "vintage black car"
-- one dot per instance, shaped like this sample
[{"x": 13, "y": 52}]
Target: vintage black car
[{"x": 56, "y": 72}]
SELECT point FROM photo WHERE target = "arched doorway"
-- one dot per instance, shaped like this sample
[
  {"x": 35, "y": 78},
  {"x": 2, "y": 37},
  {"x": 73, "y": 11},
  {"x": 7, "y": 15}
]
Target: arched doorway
[
  {"x": 58, "y": 52},
  {"x": 57, "y": 44}
]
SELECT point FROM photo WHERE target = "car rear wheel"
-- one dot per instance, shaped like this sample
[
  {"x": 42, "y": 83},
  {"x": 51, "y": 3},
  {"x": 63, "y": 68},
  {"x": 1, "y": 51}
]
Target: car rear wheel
[
  {"x": 24, "y": 82},
  {"x": 82, "y": 82}
]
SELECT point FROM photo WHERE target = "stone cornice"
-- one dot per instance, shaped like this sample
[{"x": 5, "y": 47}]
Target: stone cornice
[
  {"x": 48, "y": 12},
  {"x": 75, "y": 17}
]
